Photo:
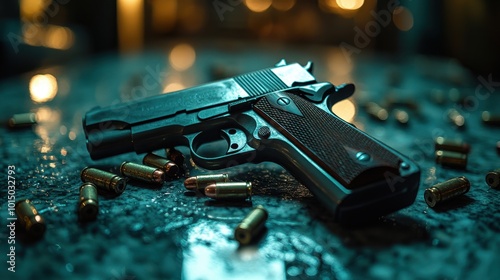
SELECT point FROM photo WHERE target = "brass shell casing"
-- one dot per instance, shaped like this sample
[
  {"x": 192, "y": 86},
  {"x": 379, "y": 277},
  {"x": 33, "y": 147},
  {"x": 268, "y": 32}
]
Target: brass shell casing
[
  {"x": 251, "y": 226},
  {"x": 452, "y": 145},
  {"x": 446, "y": 190},
  {"x": 169, "y": 167},
  {"x": 176, "y": 156},
  {"x": 88, "y": 206},
  {"x": 103, "y": 180},
  {"x": 142, "y": 172},
  {"x": 493, "y": 178},
  {"x": 451, "y": 159},
  {"x": 22, "y": 120},
  {"x": 229, "y": 190},
  {"x": 30, "y": 220}
]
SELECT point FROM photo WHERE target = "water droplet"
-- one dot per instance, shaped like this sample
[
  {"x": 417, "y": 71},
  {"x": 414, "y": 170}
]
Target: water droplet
[
  {"x": 435, "y": 242},
  {"x": 137, "y": 227},
  {"x": 293, "y": 271}
]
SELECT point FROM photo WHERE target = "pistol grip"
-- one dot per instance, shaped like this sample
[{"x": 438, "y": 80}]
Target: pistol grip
[{"x": 354, "y": 159}]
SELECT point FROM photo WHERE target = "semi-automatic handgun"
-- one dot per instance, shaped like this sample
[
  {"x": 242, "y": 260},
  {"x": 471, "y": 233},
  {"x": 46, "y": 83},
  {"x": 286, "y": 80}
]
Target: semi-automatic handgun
[{"x": 280, "y": 114}]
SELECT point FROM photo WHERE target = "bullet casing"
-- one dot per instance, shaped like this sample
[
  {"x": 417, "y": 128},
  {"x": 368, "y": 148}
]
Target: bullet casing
[
  {"x": 22, "y": 120},
  {"x": 251, "y": 226},
  {"x": 376, "y": 111},
  {"x": 493, "y": 178},
  {"x": 88, "y": 206},
  {"x": 451, "y": 159},
  {"x": 229, "y": 190},
  {"x": 489, "y": 119},
  {"x": 446, "y": 190},
  {"x": 200, "y": 182},
  {"x": 167, "y": 166},
  {"x": 176, "y": 156},
  {"x": 456, "y": 118},
  {"x": 30, "y": 220},
  {"x": 103, "y": 180},
  {"x": 401, "y": 116},
  {"x": 142, "y": 172},
  {"x": 451, "y": 145}
]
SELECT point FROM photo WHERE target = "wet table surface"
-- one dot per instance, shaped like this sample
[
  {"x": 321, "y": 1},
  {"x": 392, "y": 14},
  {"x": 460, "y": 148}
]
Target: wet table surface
[{"x": 169, "y": 233}]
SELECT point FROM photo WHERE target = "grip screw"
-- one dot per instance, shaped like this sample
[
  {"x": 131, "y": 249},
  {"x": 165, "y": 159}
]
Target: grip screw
[
  {"x": 362, "y": 156},
  {"x": 264, "y": 132}
]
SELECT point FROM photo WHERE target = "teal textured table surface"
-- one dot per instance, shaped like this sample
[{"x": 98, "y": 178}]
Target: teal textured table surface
[{"x": 168, "y": 232}]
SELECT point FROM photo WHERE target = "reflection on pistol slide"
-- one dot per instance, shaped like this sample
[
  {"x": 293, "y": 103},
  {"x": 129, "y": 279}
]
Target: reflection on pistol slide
[{"x": 279, "y": 114}]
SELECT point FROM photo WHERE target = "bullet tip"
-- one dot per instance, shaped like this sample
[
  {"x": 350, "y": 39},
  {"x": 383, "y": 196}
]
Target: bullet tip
[
  {"x": 158, "y": 176},
  {"x": 190, "y": 183},
  {"x": 210, "y": 190}
]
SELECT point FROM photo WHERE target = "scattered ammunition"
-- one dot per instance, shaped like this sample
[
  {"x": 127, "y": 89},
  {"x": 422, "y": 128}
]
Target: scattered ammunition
[
  {"x": 30, "y": 220},
  {"x": 446, "y": 190},
  {"x": 169, "y": 167},
  {"x": 489, "y": 119},
  {"x": 376, "y": 111},
  {"x": 88, "y": 207},
  {"x": 456, "y": 118},
  {"x": 176, "y": 156},
  {"x": 251, "y": 225},
  {"x": 401, "y": 116},
  {"x": 493, "y": 178},
  {"x": 22, "y": 120},
  {"x": 451, "y": 159},
  {"x": 201, "y": 181},
  {"x": 103, "y": 180},
  {"x": 229, "y": 190},
  {"x": 142, "y": 172},
  {"x": 442, "y": 143}
]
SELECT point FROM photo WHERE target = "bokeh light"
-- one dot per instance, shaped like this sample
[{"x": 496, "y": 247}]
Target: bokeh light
[
  {"x": 258, "y": 6},
  {"x": 345, "y": 109},
  {"x": 283, "y": 5},
  {"x": 173, "y": 87},
  {"x": 402, "y": 18},
  {"x": 182, "y": 57},
  {"x": 43, "y": 88},
  {"x": 31, "y": 8},
  {"x": 61, "y": 38},
  {"x": 339, "y": 63},
  {"x": 350, "y": 4}
]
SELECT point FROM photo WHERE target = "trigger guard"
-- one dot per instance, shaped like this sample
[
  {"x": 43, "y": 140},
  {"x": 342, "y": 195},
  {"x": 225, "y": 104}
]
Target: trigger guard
[
  {"x": 235, "y": 152},
  {"x": 235, "y": 138}
]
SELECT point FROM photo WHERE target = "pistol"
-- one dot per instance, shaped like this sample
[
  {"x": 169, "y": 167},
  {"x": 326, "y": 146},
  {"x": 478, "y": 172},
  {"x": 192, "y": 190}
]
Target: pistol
[{"x": 279, "y": 114}]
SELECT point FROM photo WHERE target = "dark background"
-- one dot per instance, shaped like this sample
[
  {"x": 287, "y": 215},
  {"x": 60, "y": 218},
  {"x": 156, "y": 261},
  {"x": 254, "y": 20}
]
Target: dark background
[{"x": 463, "y": 30}]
